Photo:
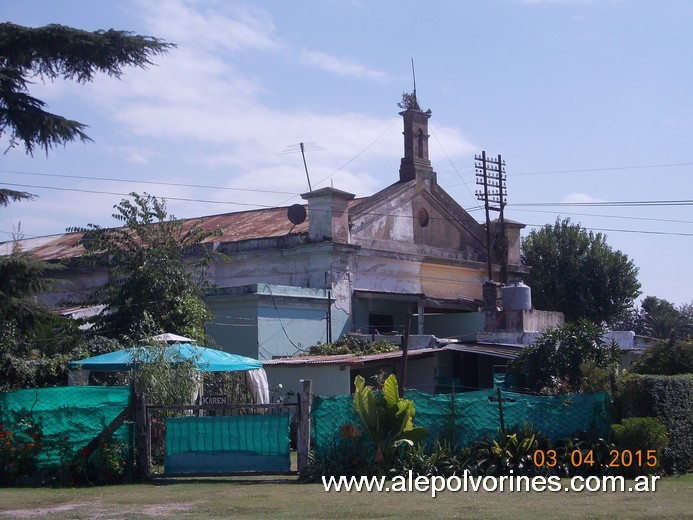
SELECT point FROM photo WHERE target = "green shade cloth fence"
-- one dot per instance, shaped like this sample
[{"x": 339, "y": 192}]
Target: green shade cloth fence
[
  {"x": 227, "y": 444},
  {"x": 78, "y": 413},
  {"x": 472, "y": 415}
]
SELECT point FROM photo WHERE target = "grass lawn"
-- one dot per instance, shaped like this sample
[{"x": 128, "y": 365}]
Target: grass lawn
[{"x": 265, "y": 498}]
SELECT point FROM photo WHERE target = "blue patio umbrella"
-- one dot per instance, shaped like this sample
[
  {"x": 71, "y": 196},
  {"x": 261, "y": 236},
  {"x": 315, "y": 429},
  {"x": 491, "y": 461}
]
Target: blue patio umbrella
[{"x": 205, "y": 359}]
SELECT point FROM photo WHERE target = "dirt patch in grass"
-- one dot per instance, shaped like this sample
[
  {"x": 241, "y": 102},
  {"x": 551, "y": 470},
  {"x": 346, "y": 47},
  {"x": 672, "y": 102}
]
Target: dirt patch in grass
[
  {"x": 153, "y": 510},
  {"x": 42, "y": 511},
  {"x": 166, "y": 509}
]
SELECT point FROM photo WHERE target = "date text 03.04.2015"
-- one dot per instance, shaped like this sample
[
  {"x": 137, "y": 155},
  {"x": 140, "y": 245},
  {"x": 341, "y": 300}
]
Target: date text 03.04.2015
[{"x": 578, "y": 458}]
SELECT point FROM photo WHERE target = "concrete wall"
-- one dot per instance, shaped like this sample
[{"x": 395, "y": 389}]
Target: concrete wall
[
  {"x": 235, "y": 326},
  {"x": 328, "y": 380},
  {"x": 453, "y": 325},
  {"x": 263, "y": 321},
  {"x": 532, "y": 320},
  {"x": 451, "y": 281},
  {"x": 421, "y": 371}
]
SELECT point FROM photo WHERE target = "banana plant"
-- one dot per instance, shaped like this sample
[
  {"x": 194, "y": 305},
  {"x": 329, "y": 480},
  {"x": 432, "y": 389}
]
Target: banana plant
[{"x": 387, "y": 419}]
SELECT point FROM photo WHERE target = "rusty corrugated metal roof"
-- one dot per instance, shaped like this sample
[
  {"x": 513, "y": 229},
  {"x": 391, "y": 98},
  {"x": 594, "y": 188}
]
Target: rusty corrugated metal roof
[
  {"x": 347, "y": 359},
  {"x": 234, "y": 227}
]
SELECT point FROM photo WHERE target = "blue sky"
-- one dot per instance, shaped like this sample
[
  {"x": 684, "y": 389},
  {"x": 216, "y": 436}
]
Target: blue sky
[{"x": 588, "y": 101}]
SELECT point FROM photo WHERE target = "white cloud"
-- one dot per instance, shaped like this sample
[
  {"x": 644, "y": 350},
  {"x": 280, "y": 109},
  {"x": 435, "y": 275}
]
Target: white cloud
[
  {"x": 556, "y": 1},
  {"x": 200, "y": 116},
  {"x": 341, "y": 66},
  {"x": 217, "y": 25},
  {"x": 581, "y": 198}
]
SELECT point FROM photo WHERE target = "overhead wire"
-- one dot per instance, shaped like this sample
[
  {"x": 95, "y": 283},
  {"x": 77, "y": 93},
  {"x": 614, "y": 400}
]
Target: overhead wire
[
  {"x": 515, "y": 206},
  {"x": 348, "y": 162},
  {"x": 139, "y": 181}
]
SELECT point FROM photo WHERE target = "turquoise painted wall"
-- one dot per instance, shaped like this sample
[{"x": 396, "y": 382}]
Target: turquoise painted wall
[{"x": 264, "y": 321}]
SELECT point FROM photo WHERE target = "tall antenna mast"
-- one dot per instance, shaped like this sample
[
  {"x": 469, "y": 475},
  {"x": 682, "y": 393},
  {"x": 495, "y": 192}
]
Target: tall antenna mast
[
  {"x": 413, "y": 73},
  {"x": 303, "y": 154},
  {"x": 303, "y": 148}
]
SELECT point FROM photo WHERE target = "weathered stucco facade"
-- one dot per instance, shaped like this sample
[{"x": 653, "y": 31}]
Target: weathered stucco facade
[{"x": 409, "y": 256}]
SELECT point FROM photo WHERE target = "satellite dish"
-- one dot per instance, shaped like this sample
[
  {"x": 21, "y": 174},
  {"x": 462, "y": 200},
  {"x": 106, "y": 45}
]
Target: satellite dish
[{"x": 296, "y": 214}]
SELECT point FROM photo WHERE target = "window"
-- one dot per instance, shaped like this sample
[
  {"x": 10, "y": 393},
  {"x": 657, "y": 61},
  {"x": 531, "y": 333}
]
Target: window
[
  {"x": 423, "y": 217},
  {"x": 381, "y": 323}
]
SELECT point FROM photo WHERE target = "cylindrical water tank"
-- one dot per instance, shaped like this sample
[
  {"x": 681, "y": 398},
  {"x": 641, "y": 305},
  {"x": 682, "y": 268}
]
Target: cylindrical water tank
[{"x": 517, "y": 296}]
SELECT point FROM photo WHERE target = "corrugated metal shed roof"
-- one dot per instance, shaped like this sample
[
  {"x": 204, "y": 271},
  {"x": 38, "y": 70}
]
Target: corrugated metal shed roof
[
  {"x": 487, "y": 349},
  {"x": 346, "y": 359}
]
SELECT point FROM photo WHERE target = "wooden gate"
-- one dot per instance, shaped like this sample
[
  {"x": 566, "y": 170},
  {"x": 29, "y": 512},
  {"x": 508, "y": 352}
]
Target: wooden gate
[{"x": 222, "y": 439}]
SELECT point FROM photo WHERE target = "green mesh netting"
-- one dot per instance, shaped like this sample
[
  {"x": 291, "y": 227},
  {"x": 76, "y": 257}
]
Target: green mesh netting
[
  {"x": 70, "y": 417},
  {"x": 472, "y": 415},
  {"x": 227, "y": 444}
]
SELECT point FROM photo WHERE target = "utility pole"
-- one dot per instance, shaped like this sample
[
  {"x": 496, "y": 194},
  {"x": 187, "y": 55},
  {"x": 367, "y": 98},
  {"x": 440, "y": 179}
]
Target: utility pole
[{"x": 490, "y": 174}]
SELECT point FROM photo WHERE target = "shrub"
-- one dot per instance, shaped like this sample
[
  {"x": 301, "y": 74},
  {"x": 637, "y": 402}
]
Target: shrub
[
  {"x": 638, "y": 436},
  {"x": 20, "y": 445},
  {"x": 555, "y": 363},
  {"x": 348, "y": 457},
  {"x": 108, "y": 464},
  {"x": 352, "y": 345},
  {"x": 670, "y": 399},
  {"x": 439, "y": 460},
  {"x": 387, "y": 420},
  {"x": 666, "y": 358},
  {"x": 512, "y": 450},
  {"x": 593, "y": 457}
]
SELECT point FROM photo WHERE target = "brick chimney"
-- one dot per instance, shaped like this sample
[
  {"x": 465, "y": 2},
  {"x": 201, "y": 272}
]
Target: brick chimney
[{"x": 328, "y": 218}]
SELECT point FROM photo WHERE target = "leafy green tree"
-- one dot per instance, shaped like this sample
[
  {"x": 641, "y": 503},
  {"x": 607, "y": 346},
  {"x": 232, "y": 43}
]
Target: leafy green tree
[
  {"x": 661, "y": 319},
  {"x": 685, "y": 330},
  {"x": 558, "y": 361},
  {"x": 35, "y": 343},
  {"x": 657, "y": 318},
  {"x": 22, "y": 278},
  {"x": 24, "y": 321},
  {"x": 666, "y": 358},
  {"x": 157, "y": 287},
  {"x": 576, "y": 272}
]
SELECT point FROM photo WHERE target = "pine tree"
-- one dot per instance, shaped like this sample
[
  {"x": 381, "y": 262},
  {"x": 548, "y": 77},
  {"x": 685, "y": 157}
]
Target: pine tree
[{"x": 50, "y": 53}]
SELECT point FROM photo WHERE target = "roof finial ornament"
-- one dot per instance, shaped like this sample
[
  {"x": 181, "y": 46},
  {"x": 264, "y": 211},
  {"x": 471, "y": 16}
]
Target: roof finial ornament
[{"x": 409, "y": 101}]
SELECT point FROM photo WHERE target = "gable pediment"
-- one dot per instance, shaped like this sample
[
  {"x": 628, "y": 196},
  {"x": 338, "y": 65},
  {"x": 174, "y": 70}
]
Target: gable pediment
[{"x": 417, "y": 216}]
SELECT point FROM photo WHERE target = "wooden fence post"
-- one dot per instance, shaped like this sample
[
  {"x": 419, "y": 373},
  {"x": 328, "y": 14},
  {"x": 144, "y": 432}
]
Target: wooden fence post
[
  {"x": 304, "y": 411},
  {"x": 143, "y": 439}
]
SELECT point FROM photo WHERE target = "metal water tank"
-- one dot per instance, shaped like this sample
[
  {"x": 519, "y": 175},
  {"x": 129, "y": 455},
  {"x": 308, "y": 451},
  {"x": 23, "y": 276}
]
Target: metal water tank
[{"x": 517, "y": 296}]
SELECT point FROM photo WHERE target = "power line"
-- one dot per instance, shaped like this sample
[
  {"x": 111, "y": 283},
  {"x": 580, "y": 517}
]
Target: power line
[
  {"x": 622, "y": 230},
  {"x": 346, "y": 163},
  {"x": 612, "y": 168},
  {"x": 139, "y": 181},
  {"x": 625, "y": 217},
  {"x": 452, "y": 164},
  {"x": 100, "y": 192},
  {"x": 635, "y": 203}
]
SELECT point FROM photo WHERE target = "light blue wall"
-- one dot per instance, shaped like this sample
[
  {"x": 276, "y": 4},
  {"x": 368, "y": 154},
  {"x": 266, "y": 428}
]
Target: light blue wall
[
  {"x": 328, "y": 380},
  {"x": 290, "y": 327},
  {"x": 263, "y": 321},
  {"x": 235, "y": 326}
]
